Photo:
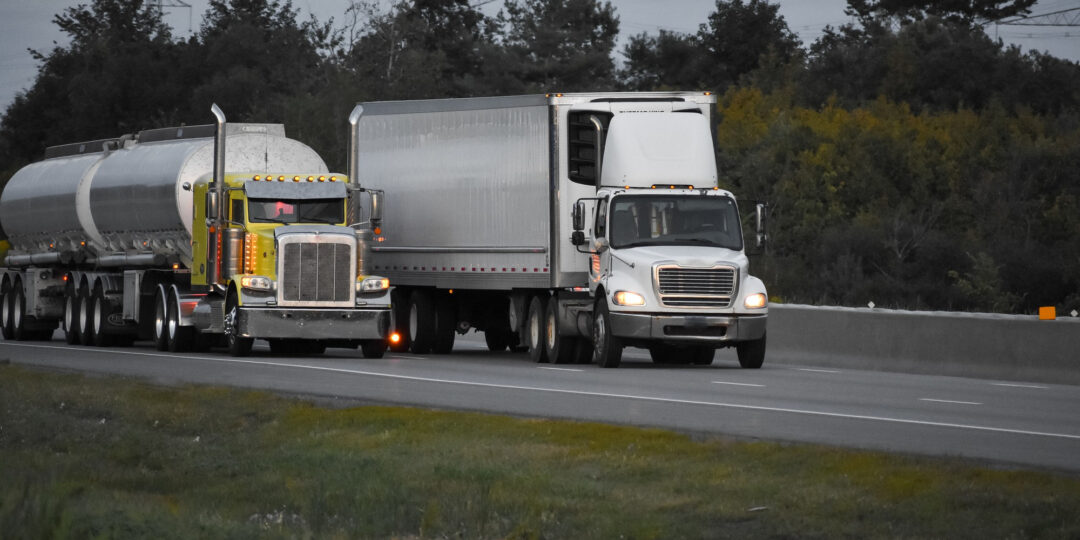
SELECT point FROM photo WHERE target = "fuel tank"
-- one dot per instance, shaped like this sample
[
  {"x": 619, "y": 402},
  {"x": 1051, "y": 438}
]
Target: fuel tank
[{"x": 133, "y": 195}]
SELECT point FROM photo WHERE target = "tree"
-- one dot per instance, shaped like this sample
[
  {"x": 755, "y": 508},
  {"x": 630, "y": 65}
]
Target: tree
[{"x": 966, "y": 11}]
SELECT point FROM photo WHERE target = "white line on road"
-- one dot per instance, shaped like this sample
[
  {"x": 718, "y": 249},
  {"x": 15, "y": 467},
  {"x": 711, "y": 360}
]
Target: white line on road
[
  {"x": 570, "y": 392},
  {"x": 739, "y": 384},
  {"x": 560, "y": 368},
  {"x": 1011, "y": 385},
  {"x": 817, "y": 370},
  {"x": 949, "y": 401}
]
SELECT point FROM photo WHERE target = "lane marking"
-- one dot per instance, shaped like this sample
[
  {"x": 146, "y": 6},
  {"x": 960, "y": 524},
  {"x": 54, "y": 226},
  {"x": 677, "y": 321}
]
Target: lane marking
[
  {"x": 560, "y": 368},
  {"x": 817, "y": 370},
  {"x": 739, "y": 384},
  {"x": 572, "y": 392},
  {"x": 399, "y": 357},
  {"x": 950, "y": 401},
  {"x": 1011, "y": 385}
]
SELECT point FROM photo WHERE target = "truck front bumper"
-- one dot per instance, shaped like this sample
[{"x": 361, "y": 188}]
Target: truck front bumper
[
  {"x": 687, "y": 328},
  {"x": 314, "y": 323}
]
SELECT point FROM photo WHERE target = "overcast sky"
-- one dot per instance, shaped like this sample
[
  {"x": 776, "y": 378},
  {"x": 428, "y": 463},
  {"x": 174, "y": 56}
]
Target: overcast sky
[{"x": 28, "y": 24}]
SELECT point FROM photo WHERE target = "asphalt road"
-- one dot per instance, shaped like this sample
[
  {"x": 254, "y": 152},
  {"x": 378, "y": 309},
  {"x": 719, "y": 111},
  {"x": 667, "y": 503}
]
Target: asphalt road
[{"x": 1010, "y": 422}]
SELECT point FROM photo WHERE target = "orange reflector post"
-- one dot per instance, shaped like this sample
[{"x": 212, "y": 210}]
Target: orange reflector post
[{"x": 1047, "y": 313}]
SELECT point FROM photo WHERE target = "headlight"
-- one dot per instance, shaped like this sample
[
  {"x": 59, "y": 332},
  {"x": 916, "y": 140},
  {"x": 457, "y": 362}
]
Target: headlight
[
  {"x": 755, "y": 301},
  {"x": 257, "y": 283},
  {"x": 627, "y": 298},
  {"x": 373, "y": 284}
]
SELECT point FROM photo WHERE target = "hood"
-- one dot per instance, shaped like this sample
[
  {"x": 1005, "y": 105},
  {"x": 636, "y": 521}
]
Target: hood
[{"x": 701, "y": 256}]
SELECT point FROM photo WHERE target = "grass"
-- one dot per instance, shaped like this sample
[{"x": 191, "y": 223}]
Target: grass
[{"x": 85, "y": 457}]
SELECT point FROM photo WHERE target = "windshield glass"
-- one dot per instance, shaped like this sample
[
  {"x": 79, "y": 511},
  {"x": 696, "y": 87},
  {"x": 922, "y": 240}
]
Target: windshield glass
[
  {"x": 296, "y": 211},
  {"x": 675, "y": 220}
]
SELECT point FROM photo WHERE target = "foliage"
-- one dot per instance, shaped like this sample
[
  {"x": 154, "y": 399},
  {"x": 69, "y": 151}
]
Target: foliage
[{"x": 966, "y": 11}]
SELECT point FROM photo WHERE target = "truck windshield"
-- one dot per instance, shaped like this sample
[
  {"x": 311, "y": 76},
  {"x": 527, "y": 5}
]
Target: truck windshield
[
  {"x": 296, "y": 211},
  {"x": 675, "y": 220}
]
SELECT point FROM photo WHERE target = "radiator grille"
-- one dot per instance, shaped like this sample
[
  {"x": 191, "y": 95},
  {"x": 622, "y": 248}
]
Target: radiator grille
[
  {"x": 696, "y": 287},
  {"x": 316, "y": 272}
]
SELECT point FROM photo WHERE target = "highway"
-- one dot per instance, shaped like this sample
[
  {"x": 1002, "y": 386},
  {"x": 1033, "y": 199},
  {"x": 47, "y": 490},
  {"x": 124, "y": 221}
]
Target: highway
[{"x": 1003, "y": 422}]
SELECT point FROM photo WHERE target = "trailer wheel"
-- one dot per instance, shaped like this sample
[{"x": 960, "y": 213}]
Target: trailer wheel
[
  {"x": 237, "y": 344},
  {"x": 17, "y": 314},
  {"x": 445, "y": 324},
  {"x": 421, "y": 322},
  {"x": 86, "y": 333},
  {"x": 561, "y": 349},
  {"x": 534, "y": 329},
  {"x": 751, "y": 353},
  {"x": 161, "y": 335},
  {"x": 99, "y": 319},
  {"x": 373, "y": 348},
  {"x": 607, "y": 349},
  {"x": 71, "y": 317},
  {"x": 180, "y": 338},
  {"x": 5, "y": 314}
]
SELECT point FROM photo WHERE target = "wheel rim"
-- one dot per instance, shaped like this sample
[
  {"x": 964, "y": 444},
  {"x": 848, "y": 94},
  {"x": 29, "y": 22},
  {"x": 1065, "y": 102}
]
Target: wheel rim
[
  {"x": 551, "y": 329},
  {"x": 174, "y": 320},
  {"x": 84, "y": 312},
  {"x": 414, "y": 316},
  {"x": 17, "y": 309},
  {"x": 5, "y": 308},
  {"x": 98, "y": 315},
  {"x": 69, "y": 313},
  {"x": 534, "y": 331},
  {"x": 598, "y": 335},
  {"x": 159, "y": 319}
]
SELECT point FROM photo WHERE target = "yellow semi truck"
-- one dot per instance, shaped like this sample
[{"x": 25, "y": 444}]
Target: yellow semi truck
[{"x": 192, "y": 237}]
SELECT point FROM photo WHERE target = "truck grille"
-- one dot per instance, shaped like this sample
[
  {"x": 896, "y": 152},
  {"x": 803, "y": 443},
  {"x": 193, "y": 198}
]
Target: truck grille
[
  {"x": 696, "y": 287},
  {"x": 316, "y": 273}
]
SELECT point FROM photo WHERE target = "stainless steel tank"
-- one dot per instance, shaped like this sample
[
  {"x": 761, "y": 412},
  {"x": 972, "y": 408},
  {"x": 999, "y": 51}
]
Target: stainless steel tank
[{"x": 136, "y": 199}]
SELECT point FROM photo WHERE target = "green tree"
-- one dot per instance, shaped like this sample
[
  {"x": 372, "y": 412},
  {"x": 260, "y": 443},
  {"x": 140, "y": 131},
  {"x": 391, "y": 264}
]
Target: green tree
[{"x": 967, "y": 11}]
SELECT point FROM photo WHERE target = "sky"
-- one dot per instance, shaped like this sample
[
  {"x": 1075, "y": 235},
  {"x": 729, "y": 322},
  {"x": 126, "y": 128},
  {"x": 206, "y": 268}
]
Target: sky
[{"x": 27, "y": 24}]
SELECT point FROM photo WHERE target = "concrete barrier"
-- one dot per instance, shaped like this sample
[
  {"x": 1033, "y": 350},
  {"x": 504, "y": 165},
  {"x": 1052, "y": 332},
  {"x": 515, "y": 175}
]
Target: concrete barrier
[{"x": 1004, "y": 347}]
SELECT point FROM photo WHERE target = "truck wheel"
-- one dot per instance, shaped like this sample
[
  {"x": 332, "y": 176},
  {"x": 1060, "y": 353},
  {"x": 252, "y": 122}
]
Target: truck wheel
[
  {"x": 373, "y": 348},
  {"x": 607, "y": 349},
  {"x": 751, "y": 353},
  {"x": 17, "y": 315},
  {"x": 534, "y": 329},
  {"x": 560, "y": 348},
  {"x": 236, "y": 344},
  {"x": 497, "y": 340},
  {"x": 98, "y": 320},
  {"x": 71, "y": 317},
  {"x": 421, "y": 322},
  {"x": 180, "y": 338},
  {"x": 86, "y": 332},
  {"x": 445, "y": 324},
  {"x": 702, "y": 356},
  {"x": 161, "y": 333}
]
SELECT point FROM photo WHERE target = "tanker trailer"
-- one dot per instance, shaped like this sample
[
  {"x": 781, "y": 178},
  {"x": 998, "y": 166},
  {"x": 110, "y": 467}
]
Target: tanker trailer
[{"x": 147, "y": 237}]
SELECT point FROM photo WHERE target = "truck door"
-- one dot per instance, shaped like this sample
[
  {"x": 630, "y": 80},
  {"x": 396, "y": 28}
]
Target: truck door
[{"x": 599, "y": 246}]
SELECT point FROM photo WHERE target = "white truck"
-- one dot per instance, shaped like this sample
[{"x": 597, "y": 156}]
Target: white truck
[
  {"x": 147, "y": 237},
  {"x": 571, "y": 224}
]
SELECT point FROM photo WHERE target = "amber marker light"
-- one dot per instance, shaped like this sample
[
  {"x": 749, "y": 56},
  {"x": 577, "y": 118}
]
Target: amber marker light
[
  {"x": 378, "y": 230},
  {"x": 281, "y": 179},
  {"x": 311, "y": 179},
  {"x": 395, "y": 338},
  {"x": 257, "y": 178}
]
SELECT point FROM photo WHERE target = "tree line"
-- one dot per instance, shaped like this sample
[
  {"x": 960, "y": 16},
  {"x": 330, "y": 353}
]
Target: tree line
[{"x": 909, "y": 158}]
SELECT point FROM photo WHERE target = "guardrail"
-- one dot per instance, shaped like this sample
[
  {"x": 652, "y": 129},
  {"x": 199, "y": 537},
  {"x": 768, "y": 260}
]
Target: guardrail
[{"x": 1004, "y": 347}]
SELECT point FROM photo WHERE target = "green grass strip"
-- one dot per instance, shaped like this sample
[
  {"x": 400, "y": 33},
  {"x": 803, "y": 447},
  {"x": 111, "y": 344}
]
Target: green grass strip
[{"x": 96, "y": 457}]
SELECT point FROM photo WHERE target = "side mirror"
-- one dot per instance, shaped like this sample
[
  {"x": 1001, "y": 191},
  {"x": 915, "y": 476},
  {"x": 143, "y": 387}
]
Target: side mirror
[
  {"x": 578, "y": 216},
  {"x": 577, "y": 238},
  {"x": 376, "y": 207},
  {"x": 761, "y": 220}
]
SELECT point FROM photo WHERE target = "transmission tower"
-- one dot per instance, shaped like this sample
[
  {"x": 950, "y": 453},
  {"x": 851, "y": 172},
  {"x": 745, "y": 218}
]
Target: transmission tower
[{"x": 1065, "y": 17}]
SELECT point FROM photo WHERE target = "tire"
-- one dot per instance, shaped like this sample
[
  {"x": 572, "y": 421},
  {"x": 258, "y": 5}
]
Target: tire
[
  {"x": 497, "y": 340},
  {"x": 534, "y": 329},
  {"x": 445, "y": 324},
  {"x": 373, "y": 348},
  {"x": 86, "y": 332},
  {"x": 71, "y": 317},
  {"x": 161, "y": 334},
  {"x": 560, "y": 349},
  {"x": 421, "y": 322},
  {"x": 399, "y": 300},
  {"x": 17, "y": 315},
  {"x": 607, "y": 349},
  {"x": 751, "y": 353},
  {"x": 180, "y": 338},
  {"x": 5, "y": 314},
  {"x": 236, "y": 345},
  {"x": 99, "y": 310},
  {"x": 702, "y": 355}
]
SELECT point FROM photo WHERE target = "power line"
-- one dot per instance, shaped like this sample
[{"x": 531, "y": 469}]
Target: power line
[{"x": 1065, "y": 17}]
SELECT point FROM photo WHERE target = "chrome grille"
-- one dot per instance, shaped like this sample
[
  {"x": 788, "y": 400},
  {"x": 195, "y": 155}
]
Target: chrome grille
[
  {"x": 314, "y": 273},
  {"x": 696, "y": 287}
]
